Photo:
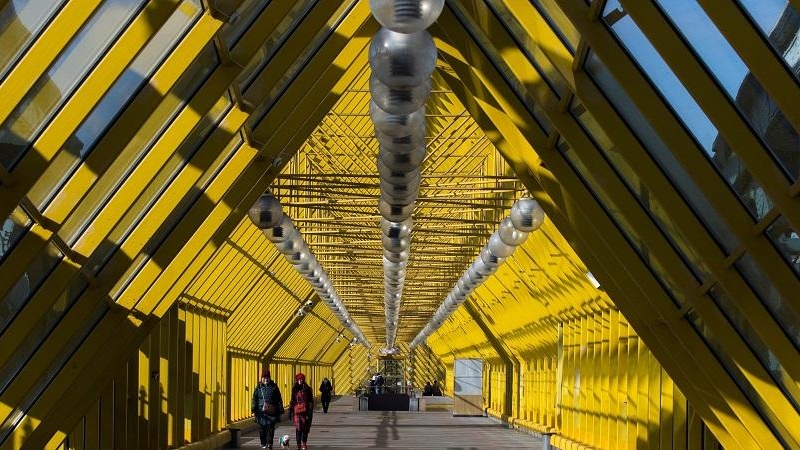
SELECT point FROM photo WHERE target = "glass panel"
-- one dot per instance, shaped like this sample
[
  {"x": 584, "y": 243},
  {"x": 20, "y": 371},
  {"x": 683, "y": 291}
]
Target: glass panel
[
  {"x": 20, "y": 23},
  {"x": 162, "y": 117},
  {"x": 47, "y": 377},
  {"x": 508, "y": 74},
  {"x": 753, "y": 101},
  {"x": 58, "y": 83},
  {"x": 690, "y": 113},
  {"x": 13, "y": 229},
  {"x": 39, "y": 331},
  {"x": 659, "y": 151},
  {"x": 633, "y": 182},
  {"x": 245, "y": 16},
  {"x": 628, "y": 230},
  {"x": 563, "y": 27},
  {"x": 756, "y": 344},
  {"x": 782, "y": 310},
  {"x": 122, "y": 91},
  {"x": 530, "y": 48},
  {"x": 274, "y": 43},
  {"x": 779, "y": 21},
  {"x": 28, "y": 283},
  {"x": 734, "y": 370},
  {"x": 787, "y": 241},
  {"x": 177, "y": 214},
  {"x": 155, "y": 190},
  {"x": 266, "y": 104}
]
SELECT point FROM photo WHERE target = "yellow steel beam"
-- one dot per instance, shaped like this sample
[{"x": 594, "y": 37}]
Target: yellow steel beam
[
  {"x": 255, "y": 178},
  {"x": 43, "y": 53},
  {"x": 720, "y": 110},
  {"x": 677, "y": 327},
  {"x": 85, "y": 98}
]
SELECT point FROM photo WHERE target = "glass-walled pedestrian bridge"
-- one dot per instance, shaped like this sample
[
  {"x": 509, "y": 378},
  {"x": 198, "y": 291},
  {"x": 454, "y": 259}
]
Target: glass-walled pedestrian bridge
[{"x": 143, "y": 287}]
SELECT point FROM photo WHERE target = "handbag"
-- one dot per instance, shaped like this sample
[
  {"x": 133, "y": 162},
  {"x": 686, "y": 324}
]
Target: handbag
[{"x": 270, "y": 409}]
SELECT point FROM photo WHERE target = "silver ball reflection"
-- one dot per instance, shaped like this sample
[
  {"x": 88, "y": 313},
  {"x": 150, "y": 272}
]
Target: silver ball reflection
[
  {"x": 399, "y": 99},
  {"x": 399, "y": 59},
  {"x": 527, "y": 215},
  {"x": 266, "y": 212},
  {"x": 510, "y": 234},
  {"x": 281, "y": 232},
  {"x": 406, "y": 16},
  {"x": 397, "y": 124}
]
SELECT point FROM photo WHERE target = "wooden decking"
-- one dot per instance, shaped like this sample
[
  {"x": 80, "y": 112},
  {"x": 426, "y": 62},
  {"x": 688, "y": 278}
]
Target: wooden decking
[{"x": 343, "y": 428}]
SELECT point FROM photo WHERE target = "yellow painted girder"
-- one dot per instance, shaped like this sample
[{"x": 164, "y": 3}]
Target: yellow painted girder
[
  {"x": 85, "y": 98},
  {"x": 675, "y": 326},
  {"x": 255, "y": 171},
  {"x": 43, "y": 53}
]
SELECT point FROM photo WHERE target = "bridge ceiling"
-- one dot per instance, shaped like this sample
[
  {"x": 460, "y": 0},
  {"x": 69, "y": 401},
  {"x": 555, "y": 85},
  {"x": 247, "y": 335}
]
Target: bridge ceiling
[{"x": 136, "y": 135}]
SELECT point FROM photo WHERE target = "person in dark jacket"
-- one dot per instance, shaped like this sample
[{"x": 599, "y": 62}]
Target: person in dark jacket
[
  {"x": 326, "y": 389},
  {"x": 437, "y": 391},
  {"x": 301, "y": 409},
  {"x": 428, "y": 390},
  {"x": 267, "y": 407}
]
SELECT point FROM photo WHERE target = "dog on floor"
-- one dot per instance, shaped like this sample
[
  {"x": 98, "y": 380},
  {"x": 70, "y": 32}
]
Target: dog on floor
[{"x": 285, "y": 441}]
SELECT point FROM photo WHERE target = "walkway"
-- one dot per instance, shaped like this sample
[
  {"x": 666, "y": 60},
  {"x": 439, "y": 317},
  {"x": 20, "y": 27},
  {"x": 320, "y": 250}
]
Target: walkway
[{"x": 343, "y": 428}]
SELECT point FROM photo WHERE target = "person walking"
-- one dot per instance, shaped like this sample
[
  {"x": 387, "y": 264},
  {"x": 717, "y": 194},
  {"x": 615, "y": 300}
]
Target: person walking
[
  {"x": 326, "y": 389},
  {"x": 301, "y": 409},
  {"x": 267, "y": 407}
]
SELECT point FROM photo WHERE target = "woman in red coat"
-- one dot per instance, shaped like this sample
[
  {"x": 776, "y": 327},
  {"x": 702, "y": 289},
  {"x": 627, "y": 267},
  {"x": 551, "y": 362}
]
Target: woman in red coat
[{"x": 301, "y": 409}]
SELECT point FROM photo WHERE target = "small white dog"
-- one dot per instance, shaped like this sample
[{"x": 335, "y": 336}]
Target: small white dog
[{"x": 284, "y": 441}]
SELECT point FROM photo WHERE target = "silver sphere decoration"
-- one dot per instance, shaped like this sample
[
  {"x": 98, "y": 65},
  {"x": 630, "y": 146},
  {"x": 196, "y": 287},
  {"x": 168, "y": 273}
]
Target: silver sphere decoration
[
  {"x": 296, "y": 258},
  {"x": 395, "y": 257},
  {"x": 500, "y": 248},
  {"x": 402, "y": 143},
  {"x": 402, "y": 161},
  {"x": 292, "y": 245},
  {"x": 281, "y": 232},
  {"x": 399, "y": 99},
  {"x": 397, "y": 124},
  {"x": 490, "y": 259},
  {"x": 395, "y": 244},
  {"x": 390, "y": 190},
  {"x": 527, "y": 215},
  {"x": 510, "y": 234},
  {"x": 395, "y": 213},
  {"x": 266, "y": 212},
  {"x": 406, "y": 16},
  {"x": 391, "y": 176},
  {"x": 400, "y": 60}
]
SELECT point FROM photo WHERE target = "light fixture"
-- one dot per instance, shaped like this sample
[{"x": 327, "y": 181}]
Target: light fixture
[
  {"x": 266, "y": 213},
  {"x": 402, "y": 56},
  {"x": 526, "y": 216}
]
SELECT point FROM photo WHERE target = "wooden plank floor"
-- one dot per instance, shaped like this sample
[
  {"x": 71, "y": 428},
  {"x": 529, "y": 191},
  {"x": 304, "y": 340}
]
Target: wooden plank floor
[{"x": 343, "y": 428}]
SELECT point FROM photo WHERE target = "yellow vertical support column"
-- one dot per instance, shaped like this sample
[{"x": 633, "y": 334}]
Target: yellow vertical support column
[
  {"x": 91, "y": 428},
  {"x": 679, "y": 423},
  {"x": 654, "y": 401},
  {"x": 173, "y": 366},
  {"x": 189, "y": 369},
  {"x": 634, "y": 409},
  {"x": 623, "y": 386},
  {"x": 695, "y": 434},
  {"x": 107, "y": 417},
  {"x": 604, "y": 409},
  {"x": 120, "y": 408},
  {"x": 667, "y": 400},
  {"x": 642, "y": 394},
  {"x": 142, "y": 375},
  {"x": 584, "y": 372},
  {"x": 612, "y": 409},
  {"x": 152, "y": 383}
]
